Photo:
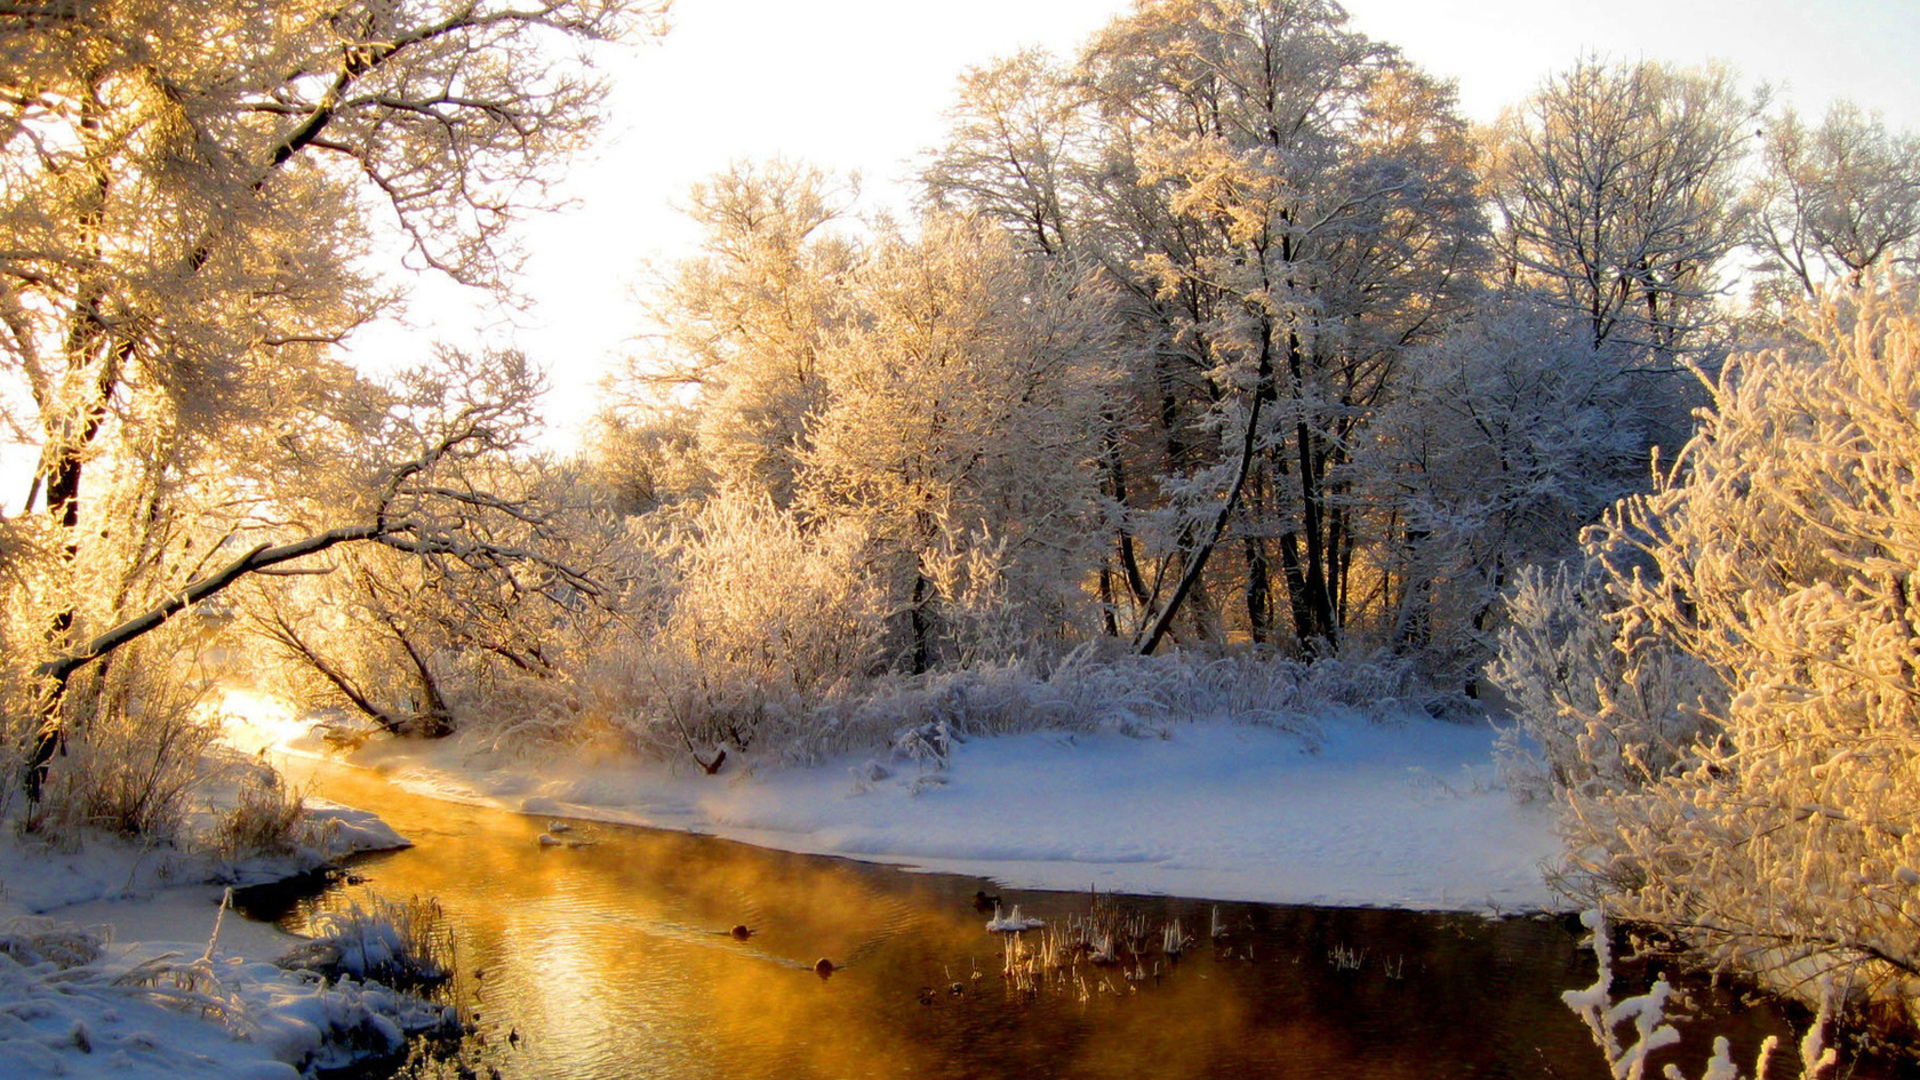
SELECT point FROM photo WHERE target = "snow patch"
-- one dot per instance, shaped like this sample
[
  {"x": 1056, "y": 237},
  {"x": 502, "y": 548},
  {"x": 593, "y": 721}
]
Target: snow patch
[{"x": 1349, "y": 812}]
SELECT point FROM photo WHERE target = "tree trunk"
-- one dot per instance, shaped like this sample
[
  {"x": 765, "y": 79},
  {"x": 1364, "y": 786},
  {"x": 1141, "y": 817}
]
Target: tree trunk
[
  {"x": 1197, "y": 560},
  {"x": 920, "y": 626}
]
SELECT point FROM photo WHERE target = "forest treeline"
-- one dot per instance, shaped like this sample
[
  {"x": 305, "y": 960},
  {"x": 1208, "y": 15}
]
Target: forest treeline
[{"x": 1222, "y": 367}]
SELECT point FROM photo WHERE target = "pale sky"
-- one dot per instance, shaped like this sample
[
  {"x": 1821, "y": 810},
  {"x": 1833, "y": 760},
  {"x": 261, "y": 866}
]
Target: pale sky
[{"x": 860, "y": 85}]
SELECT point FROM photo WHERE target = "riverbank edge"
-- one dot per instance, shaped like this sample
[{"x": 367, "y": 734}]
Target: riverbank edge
[
  {"x": 124, "y": 959},
  {"x": 1407, "y": 815}
]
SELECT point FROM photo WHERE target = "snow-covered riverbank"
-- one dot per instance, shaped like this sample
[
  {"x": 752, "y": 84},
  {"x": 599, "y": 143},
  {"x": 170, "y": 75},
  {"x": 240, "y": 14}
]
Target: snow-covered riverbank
[
  {"x": 105, "y": 968},
  {"x": 1388, "y": 814},
  {"x": 110, "y": 967}
]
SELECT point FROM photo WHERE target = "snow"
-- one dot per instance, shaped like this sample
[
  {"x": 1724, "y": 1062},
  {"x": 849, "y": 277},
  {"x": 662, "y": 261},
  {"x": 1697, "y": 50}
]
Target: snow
[
  {"x": 110, "y": 967},
  {"x": 1353, "y": 812},
  {"x": 1358, "y": 813}
]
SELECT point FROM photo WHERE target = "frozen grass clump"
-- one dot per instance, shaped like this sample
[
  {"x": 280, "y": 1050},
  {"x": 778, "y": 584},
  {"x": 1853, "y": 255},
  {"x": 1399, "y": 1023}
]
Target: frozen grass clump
[
  {"x": 32, "y": 940},
  {"x": 403, "y": 944},
  {"x": 266, "y": 818},
  {"x": 131, "y": 758},
  {"x": 920, "y": 718}
]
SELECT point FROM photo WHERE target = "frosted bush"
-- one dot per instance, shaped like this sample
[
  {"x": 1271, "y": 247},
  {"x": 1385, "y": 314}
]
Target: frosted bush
[
  {"x": 1780, "y": 553},
  {"x": 1597, "y": 711},
  {"x": 266, "y": 817},
  {"x": 768, "y": 625},
  {"x": 136, "y": 737},
  {"x": 50, "y": 969}
]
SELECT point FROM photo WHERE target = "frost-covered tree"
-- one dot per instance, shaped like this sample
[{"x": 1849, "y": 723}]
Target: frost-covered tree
[
  {"x": 487, "y": 627},
  {"x": 1616, "y": 187},
  {"x": 961, "y": 428},
  {"x": 1015, "y": 147},
  {"x": 415, "y": 475},
  {"x": 190, "y": 197},
  {"x": 1504, "y": 437},
  {"x": 191, "y": 188},
  {"x": 1309, "y": 214},
  {"x": 1778, "y": 558},
  {"x": 744, "y": 324},
  {"x": 1835, "y": 202},
  {"x": 886, "y": 460}
]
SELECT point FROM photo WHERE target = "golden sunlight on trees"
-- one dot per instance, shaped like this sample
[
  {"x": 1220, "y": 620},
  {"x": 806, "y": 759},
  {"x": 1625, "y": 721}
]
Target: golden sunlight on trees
[
  {"x": 193, "y": 199},
  {"x": 1284, "y": 207},
  {"x": 1744, "y": 763}
]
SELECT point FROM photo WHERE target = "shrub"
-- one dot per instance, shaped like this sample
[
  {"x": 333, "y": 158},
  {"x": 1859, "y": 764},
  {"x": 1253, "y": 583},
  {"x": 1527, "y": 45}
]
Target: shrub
[
  {"x": 768, "y": 625},
  {"x": 1598, "y": 711},
  {"x": 135, "y": 740},
  {"x": 265, "y": 817},
  {"x": 1782, "y": 555}
]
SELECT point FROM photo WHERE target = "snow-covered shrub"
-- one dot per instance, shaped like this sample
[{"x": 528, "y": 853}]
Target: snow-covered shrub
[
  {"x": 60, "y": 978},
  {"x": 766, "y": 625},
  {"x": 398, "y": 943},
  {"x": 1598, "y": 711},
  {"x": 1783, "y": 552},
  {"x": 1647, "y": 1012}
]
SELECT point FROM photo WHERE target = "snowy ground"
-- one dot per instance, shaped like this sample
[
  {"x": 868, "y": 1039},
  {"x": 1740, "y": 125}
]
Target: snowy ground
[
  {"x": 1397, "y": 814},
  {"x": 106, "y": 966}
]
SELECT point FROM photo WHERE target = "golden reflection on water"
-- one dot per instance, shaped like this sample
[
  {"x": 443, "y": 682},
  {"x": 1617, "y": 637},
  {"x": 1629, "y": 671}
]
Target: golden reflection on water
[{"x": 613, "y": 959}]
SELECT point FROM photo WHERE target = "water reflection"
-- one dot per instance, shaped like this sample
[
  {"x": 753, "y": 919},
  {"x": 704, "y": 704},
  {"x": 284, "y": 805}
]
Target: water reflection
[{"x": 614, "y": 959}]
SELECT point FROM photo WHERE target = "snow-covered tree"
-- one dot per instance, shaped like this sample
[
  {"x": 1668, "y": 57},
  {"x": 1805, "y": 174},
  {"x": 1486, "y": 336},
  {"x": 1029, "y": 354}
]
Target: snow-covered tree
[
  {"x": 191, "y": 188},
  {"x": 1309, "y": 214},
  {"x": 961, "y": 428},
  {"x": 190, "y": 197},
  {"x": 744, "y": 324},
  {"x": 1503, "y": 438},
  {"x": 1616, "y": 186},
  {"x": 490, "y": 628},
  {"x": 1835, "y": 202},
  {"x": 1016, "y": 144}
]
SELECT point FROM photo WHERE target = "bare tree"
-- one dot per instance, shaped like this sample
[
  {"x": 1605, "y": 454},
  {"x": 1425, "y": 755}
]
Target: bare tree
[
  {"x": 427, "y": 505},
  {"x": 1616, "y": 189},
  {"x": 1835, "y": 202}
]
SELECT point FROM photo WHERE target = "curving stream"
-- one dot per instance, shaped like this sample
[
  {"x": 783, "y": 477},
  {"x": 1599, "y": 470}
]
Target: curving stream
[{"x": 613, "y": 959}]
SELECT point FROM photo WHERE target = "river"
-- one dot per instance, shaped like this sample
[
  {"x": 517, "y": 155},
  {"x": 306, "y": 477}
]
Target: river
[{"x": 613, "y": 956}]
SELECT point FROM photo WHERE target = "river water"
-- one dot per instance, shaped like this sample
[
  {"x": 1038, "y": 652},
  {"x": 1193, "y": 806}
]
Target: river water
[{"x": 615, "y": 959}]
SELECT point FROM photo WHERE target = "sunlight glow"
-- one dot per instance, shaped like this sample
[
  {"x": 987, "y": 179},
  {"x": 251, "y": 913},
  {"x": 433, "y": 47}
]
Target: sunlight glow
[{"x": 252, "y": 720}]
